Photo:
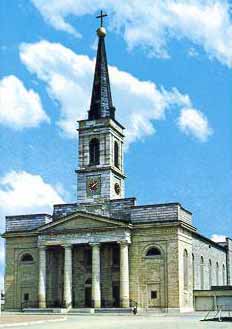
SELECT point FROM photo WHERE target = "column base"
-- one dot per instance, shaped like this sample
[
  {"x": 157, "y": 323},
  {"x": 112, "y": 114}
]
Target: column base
[
  {"x": 124, "y": 303},
  {"x": 96, "y": 304},
  {"x": 68, "y": 305},
  {"x": 42, "y": 304}
]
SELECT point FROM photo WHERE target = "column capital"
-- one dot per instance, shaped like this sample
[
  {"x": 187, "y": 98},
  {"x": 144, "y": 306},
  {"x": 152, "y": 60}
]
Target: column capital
[
  {"x": 123, "y": 242},
  {"x": 95, "y": 244},
  {"x": 66, "y": 245},
  {"x": 42, "y": 247}
]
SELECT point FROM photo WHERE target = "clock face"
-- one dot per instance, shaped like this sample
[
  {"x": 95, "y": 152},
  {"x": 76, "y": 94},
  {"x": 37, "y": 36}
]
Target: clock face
[
  {"x": 93, "y": 185},
  {"x": 117, "y": 188}
]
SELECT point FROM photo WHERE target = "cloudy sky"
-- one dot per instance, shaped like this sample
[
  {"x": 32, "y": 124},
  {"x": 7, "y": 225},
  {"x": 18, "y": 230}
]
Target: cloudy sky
[{"x": 170, "y": 70}]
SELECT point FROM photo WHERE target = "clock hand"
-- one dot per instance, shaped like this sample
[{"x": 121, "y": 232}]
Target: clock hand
[{"x": 93, "y": 185}]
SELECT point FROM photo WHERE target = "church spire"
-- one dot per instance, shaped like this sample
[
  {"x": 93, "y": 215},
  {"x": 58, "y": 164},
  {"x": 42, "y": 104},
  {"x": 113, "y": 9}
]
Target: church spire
[{"x": 101, "y": 100}]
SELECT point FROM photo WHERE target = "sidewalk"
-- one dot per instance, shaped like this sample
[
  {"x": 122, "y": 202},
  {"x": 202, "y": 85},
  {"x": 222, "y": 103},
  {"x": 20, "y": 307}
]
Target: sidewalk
[{"x": 12, "y": 320}]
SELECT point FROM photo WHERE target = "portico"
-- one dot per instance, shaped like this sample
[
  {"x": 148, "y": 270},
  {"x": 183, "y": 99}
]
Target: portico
[{"x": 90, "y": 268}]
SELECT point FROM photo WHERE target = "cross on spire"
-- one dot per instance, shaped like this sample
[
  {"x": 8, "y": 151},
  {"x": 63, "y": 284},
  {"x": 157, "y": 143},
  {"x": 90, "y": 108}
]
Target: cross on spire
[{"x": 101, "y": 16}]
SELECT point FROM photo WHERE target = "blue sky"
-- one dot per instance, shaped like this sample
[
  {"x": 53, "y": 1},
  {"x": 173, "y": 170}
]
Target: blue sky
[{"x": 170, "y": 71}]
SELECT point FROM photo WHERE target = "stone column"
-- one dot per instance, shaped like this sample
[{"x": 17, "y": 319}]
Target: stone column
[
  {"x": 124, "y": 275},
  {"x": 42, "y": 277},
  {"x": 68, "y": 276},
  {"x": 96, "y": 271}
]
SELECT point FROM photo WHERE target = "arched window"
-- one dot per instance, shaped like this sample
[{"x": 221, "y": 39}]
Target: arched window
[
  {"x": 94, "y": 152},
  {"x": 217, "y": 274},
  {"x": 116, "y": 155},
  {"x": 223, "y": 275},
  {"x": 210, "y": 273},
  {"x": 185, "y": 269},
  {"x": 193, "y": 264},
  {"x": 202, "y": 273},
  {"x": 26, "y": 258},
  {"x": 153, "y": 252}
]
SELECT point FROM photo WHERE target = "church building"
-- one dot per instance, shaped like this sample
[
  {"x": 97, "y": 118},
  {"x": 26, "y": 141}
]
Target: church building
[{"x": 104, "y": 250}]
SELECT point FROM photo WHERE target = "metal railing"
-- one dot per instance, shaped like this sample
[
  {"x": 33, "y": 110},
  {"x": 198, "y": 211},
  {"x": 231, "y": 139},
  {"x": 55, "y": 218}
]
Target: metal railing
[{"x": 220, "y": 313}]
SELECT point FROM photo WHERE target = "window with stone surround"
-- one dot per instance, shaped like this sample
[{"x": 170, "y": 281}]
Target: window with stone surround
[
  {"x": 193, "y": 262},
  {"x": 217, "y": 274},
  {"x": 116, "y": 155},
  {"x": 153, "y": 252},
  {"x": 202, "y": 283},
  {"x": 27, "y": 258},
  {"x": 210, "y": 274},
  {"x": 186, "y": 261},
  {"x": 223, "y": 275},
  {"x": 94, "y": 152},
  {"x": 153, "y": 294}
]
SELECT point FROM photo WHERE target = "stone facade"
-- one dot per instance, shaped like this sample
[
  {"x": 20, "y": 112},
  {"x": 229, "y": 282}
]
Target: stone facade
[{"x": 154, "y": 281}]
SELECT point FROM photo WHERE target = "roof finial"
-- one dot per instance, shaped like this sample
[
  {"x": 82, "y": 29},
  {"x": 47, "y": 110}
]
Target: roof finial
[{"x": 101, "y": 31}]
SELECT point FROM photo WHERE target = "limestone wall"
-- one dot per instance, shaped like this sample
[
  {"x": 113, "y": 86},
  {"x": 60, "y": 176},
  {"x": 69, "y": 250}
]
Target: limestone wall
[
  {"x": 154, "y": 273},
  {"x": 21, "y": 278},
  {"x": 107, "y": 132},
  {"x": 209, "y": 251},
  {"x": 185, "y": 273}
]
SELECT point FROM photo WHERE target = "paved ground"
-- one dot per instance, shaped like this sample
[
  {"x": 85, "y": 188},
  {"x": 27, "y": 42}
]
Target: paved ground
[
  {"x": 23, "y": 319},
  {"x": 190, "y": 321}
]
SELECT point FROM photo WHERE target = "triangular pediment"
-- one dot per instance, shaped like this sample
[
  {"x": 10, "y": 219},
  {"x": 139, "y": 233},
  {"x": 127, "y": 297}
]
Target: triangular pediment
[{"x": 82, "y": 221}]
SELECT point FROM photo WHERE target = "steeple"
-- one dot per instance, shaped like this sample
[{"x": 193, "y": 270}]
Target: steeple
[
  {"x": 101, "y": 100},
  {"x": 100, "y": 174}
]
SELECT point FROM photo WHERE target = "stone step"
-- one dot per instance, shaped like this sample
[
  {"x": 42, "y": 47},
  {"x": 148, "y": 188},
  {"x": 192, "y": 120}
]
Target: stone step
[
  {"x": 81, "y": 310},
  {"x": 45, "y": 310},
  {"x": 113, "y": 310}
]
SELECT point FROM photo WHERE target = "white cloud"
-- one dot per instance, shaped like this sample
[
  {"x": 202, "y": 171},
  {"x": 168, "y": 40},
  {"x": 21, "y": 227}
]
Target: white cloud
[
  {"x": 151, "y": 24},
  {"x": 193, "y": 122},
  {"x": 69, "y": 80},
  {"x": 19, "y": 108},
  {"x": 24, "y": 193},
  {"x": 218, "y": 238}
]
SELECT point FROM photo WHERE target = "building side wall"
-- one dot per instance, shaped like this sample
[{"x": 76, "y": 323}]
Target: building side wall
[
  {"x": 185, "y": 270},
  {"x": 229, "y": 261},
  {"x": 20, "y": 278},
  {"x": 208, "y": 252}
]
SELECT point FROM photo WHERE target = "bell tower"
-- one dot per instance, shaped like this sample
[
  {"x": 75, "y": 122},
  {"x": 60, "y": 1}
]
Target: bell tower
[{"x": 100, "y": 174}]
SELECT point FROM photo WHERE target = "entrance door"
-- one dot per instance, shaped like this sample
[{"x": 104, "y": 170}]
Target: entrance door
[
  {"x": 88, "y": 297},
  {"x": 153, "y": 294}
]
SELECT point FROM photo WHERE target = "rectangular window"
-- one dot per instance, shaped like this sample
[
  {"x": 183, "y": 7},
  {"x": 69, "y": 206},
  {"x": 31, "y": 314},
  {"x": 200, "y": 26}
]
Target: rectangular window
[
  {"x": 153, "y": 294},
  {"x": 26, "y": 297}
]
